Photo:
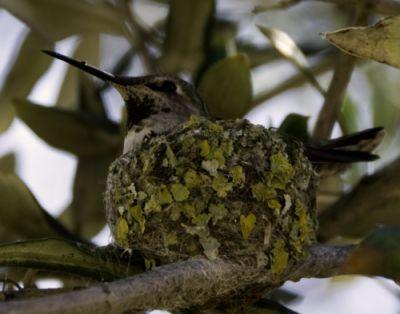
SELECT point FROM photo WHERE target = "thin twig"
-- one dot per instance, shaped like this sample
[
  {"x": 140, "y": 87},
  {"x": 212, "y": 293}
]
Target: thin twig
[
  {"x": 197, "y": 282},
  {"x": 334, "y": 97},
  {"x": 136, "y": 37},
  {"x": 295, "y": 81},
  {"x": 260, "y": 56},
  {"x": 391, "y": 7}
]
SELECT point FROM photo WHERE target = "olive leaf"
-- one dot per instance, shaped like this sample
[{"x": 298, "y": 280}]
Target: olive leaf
[
  {"x": 65, "y": 256},
  {"x": 295, "y": 125},
  {"x": 30, "y": 64},
  {"x": 21, "y": 213},
  {"x": 221, "y": 44},
  {"x": 348, "y": 116},
  {"x": 289, "y": 50},
  {"x": 187, "y": 25},
  {"x": 385, "y": 93},
  {"x": 7, "y": 163},
  {"x": 329, "y": 190},
  {"x": 85, "y": 215},
  {"x": 72, "y": 131},
  {"x": 380, "y": 42},
  {"x": 377, "y": 255},
  {"x": 56, "y": 20},
  {"x": 226, "y": 88}
]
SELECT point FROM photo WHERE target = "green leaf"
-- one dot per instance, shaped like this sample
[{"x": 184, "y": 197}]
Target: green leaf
[
  {"x": 295, "y": 125},
  {"x": 30, "y": 64},
  {"x": 221, "y": 44},
  {"x": 186, "y": 34},
  {"x": 289, "y": 50},
  {"x": 7, "y": 163},
  {"x": 226, "y": 88},
  {"x": 384, "y": 84},
  {"x": 377, "y": 255},
  {"x": 68, "y": 130},
  {"x": 56, "y": 20},
  {"x": 379, "y": 42},
  {"x": 88, "y": 49},
  {"x": 21, "y": 213},
  {"x": 64, "y": 256},
  {"x": 348, "y": 118},
  {"x": 85, "y": 216},
  {"x": 330, "y": 189}
]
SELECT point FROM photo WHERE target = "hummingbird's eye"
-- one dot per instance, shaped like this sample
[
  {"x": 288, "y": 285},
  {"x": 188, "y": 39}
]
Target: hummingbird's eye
[{"x": 165, "y": 86}]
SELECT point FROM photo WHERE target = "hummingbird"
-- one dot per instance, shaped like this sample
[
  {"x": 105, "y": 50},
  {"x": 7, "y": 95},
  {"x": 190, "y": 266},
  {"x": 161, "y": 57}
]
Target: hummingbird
[{"x": 156, "y": 104}]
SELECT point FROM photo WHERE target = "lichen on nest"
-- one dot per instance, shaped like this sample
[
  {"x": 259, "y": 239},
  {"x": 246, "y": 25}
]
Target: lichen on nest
[{"x": 226, "y": 189}]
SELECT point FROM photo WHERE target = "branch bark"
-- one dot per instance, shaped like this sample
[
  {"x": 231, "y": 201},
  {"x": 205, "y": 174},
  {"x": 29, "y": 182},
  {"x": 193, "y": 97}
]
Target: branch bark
[
  {"x": 391, "y": 7},
  {"x": 193, "y": 283},
  {"x": 375, "y": 200},
  {"x": 295, "y": 81},
  {"x": 344, "y": 67}
]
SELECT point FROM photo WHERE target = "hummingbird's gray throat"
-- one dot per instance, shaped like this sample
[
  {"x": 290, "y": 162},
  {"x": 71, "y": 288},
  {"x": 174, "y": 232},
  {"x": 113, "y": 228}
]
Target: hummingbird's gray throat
[{"x": 139, "y": 110}]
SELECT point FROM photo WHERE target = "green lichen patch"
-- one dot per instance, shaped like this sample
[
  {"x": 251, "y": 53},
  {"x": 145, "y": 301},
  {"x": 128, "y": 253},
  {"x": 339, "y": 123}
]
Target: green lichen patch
[
  {"x": 180, "y": 192},
  {"x": 217, "y": 212},
  {"x": 280, "y": 257},
  {"x": 225, "y": 189},
  {"x": 121, "y": 232},
  {"x": 238, "y": 175},
  {"x": 247, "y": 224}
]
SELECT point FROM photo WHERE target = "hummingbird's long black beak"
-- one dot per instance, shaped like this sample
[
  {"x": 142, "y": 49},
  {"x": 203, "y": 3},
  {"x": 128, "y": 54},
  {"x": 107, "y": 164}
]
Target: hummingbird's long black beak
[{"x": 82, "y": 65}]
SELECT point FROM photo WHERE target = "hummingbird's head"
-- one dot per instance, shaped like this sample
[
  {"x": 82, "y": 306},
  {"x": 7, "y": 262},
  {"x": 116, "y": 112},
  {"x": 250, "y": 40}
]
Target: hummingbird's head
[
  {"x": 159, "y": 97},
  {"x": 154, "y": 103}
]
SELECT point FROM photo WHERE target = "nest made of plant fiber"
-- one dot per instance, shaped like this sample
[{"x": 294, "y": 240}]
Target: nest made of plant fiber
[{"x": 226, "y": 189}]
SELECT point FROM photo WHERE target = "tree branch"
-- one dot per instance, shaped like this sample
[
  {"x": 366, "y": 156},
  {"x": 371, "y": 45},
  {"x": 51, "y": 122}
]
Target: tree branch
[
  {"x": 294, "y": 81},
  {"x": 334, "y": 97},
  {"x": 193, "y": 283},
  {"x": 391, "y": 7},
  {"x": 330, "y": 111},
  {"x": 374, "y": 200}
]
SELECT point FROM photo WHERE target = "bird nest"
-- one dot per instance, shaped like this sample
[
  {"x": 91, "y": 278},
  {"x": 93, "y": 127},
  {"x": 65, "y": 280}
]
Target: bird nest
[{"x": 226, "y": 189}]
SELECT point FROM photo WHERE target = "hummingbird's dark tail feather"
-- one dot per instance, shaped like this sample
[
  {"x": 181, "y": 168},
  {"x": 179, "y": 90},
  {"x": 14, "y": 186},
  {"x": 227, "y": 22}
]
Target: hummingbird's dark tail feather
[
  {"x": 350, "y": 148},
  {"x": 354, "y": 139},
  {"x": 322, "y": 155}
]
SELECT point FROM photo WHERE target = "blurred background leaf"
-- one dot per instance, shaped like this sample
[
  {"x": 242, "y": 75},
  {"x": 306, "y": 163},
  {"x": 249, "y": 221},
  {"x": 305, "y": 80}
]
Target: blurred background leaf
[
  {"x": 7, "y": 163},
  {"x": 89, "y": 50},
  {"x": 22, "y": 215},
  {"x": 295, "y": 125},
  {"x": 29, "y": 65},
  {"x": 86, "y": 215},
  {"x": 187, "y": 29},
  {"x": 226, "y": 88},
  {"x": 377, "y": 255},
  {"x": 289, "y": 50},
  {"x": 64, "y": 256},
  {"x": 55, "y": 20},
  {"x": 78, "y": 133}
]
